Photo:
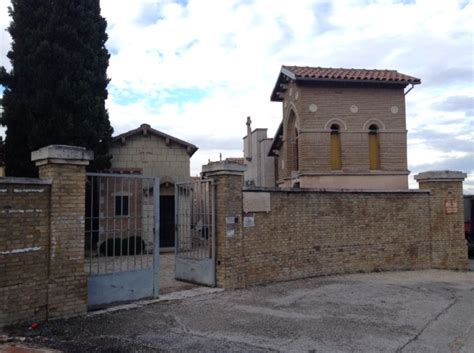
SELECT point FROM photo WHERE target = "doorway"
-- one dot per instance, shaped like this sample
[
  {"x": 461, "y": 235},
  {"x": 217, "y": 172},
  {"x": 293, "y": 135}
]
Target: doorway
[{"x": 167, "y": 221}]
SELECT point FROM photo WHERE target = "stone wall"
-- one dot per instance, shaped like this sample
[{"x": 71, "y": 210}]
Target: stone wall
[
  {"x": 260, "y": 167},
  {"x": 24, "y": 248},
  {"x": 42, "y": 239},
  {"x": 286, "y": 234}
]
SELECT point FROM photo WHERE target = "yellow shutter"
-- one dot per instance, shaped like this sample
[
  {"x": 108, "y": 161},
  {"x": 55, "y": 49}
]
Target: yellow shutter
[
  {"x": 374, "y": 151},
  {"x": 336, "y": 163}
]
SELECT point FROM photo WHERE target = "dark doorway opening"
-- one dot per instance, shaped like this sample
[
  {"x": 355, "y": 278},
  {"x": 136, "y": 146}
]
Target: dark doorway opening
[{"x": 166, "y": 221}]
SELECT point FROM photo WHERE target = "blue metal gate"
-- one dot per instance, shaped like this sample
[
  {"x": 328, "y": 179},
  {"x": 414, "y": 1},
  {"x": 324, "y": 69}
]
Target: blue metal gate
[
  {"x": 121, "y": 238},
  {"x": 195, "y": 246}
]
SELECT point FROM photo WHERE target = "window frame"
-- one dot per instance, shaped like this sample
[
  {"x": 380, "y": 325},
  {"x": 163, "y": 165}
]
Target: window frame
[{"x": 120, "y": 206}]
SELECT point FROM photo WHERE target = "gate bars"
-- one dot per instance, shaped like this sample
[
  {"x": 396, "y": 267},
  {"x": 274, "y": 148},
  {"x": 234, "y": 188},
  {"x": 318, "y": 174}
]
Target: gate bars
[
  {"x": 195, "y": 226},
  {"x": 120, "y": 223}
]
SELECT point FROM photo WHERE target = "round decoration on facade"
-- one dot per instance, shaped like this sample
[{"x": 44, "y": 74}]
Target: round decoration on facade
[
  {"x": 354, "y": 109},
  {"x": 313, "y": 108},
  {"x": 394, "y": 109}
]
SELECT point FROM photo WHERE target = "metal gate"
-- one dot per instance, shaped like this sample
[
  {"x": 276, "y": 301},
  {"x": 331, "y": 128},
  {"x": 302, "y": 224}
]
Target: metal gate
[
  {"x": 195, "y": 246},
  {"x": 121, "y": 237}
]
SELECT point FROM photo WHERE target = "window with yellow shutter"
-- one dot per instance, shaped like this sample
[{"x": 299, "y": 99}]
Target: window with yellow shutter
[
  {"x": 374, "y": 147},
  {"x": 336, "y": 162}
]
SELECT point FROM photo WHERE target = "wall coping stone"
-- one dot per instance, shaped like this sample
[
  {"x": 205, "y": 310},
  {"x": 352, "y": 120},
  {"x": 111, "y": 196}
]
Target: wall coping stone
[
  {"x": 30, "y": 181},
  {"x": 62, "y": 154},
  {"x": 342, "y": 191},
  {"x": 223, "y": 168},
  {"x": 440, "y": 175},
  {"x": 336, "y": 173}
]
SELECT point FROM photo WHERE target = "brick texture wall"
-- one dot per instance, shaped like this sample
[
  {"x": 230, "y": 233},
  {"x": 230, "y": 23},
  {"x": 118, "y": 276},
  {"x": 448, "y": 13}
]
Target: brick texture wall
[
  {"x": 448, "y": 246},
  {"x": 310, "y": 233},
  {"x": 373, "y": 105},
  {"x": 67, "y": 277},
  {"x": 230, "y": 265},
  {"x": 24, "y": 247},
  {"x": 42, "y": 272}
]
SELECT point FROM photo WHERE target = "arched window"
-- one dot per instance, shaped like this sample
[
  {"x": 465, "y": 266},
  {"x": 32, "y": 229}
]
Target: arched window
[
  {"x": 336, "y": 162},
  {"x": 292, "y": 156},
  {"x": 374, "y": 147},
  {"x": 296, "y": 153}
]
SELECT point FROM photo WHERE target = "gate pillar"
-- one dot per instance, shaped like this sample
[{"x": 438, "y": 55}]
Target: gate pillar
[
  {"x": 448, "y": 245},
  {"x": 65, "y": 166},
  {"x": 230, "y": 265}
]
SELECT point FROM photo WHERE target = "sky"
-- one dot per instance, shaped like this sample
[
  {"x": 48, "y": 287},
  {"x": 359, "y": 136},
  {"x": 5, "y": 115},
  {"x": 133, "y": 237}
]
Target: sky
[{"x": 195, "y": 69}]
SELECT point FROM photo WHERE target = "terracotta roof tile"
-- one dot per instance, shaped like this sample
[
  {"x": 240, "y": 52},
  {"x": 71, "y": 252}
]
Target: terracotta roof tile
[
  {"x": 350, "y": 74},
  {"x": 328, "y": 74}
]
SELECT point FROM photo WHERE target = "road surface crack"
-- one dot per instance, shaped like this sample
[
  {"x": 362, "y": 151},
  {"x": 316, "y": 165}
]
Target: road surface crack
[{"x": 442, "y": 312}]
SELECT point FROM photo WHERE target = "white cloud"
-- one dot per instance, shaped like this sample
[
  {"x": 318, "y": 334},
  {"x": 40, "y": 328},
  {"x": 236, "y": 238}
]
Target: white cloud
[{"x": 226, "y": 56}]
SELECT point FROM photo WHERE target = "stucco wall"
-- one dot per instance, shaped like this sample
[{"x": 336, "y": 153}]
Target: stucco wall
[
  {"x": 260, "y": 167},
  {"x": 151, "y": 155}
]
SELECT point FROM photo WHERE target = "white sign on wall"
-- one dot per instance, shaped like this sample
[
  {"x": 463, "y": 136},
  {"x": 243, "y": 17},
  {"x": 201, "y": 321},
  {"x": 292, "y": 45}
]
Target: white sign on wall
[
  {"x": 256, "y": 201},
  {"x": 249, "y": 221}
]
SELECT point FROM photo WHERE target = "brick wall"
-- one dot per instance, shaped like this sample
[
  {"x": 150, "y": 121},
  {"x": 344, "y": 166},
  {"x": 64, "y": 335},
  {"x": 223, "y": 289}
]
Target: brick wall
[
  {"x": 230, "y": 264},
  {"x": 67, "y": 279},
  {"x": 447, "y": 219},
  {"x": 308, "y": 233},
  {"x": 24, "y": 247},
  {"x": 353, "y": 109},
  {"x": 42, "y": 239}
]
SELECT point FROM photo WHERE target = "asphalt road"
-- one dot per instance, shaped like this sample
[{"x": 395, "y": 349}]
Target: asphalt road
[{"x": 415, "y": 311}]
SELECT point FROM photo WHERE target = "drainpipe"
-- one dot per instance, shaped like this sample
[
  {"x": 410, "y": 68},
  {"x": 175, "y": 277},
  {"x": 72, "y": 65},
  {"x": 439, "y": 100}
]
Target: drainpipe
[{"x": 412, "y": 86}]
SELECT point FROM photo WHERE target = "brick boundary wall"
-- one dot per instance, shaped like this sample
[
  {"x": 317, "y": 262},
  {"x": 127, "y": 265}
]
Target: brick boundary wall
[
  {"x": 24, "y": 247},
  {"x": 300, "y": 233},
  {"x": 42, "y": 239}
]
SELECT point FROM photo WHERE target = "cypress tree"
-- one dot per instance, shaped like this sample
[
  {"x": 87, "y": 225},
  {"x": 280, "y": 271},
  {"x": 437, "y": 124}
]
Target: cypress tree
[{"x": 56, "y": 91}]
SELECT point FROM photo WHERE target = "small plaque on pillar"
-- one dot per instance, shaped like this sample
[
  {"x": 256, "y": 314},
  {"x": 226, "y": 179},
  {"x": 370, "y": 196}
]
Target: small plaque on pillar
[
  {"x": 249, "y": 221},
  {"x": 230, "y": 226},
  {"x": 451, "y": 206}
]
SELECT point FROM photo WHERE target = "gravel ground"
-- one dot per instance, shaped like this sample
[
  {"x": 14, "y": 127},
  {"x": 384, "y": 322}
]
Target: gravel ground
[{"x": 414, "y": 311}]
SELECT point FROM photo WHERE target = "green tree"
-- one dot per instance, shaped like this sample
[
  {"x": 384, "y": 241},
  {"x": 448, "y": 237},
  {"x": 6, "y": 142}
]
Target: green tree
[{"x": 56, "y": 90}]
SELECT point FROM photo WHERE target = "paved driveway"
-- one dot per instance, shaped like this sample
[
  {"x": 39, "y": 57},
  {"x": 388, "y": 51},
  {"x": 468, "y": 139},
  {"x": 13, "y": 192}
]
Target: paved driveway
[{"x": 419, "y": 311}]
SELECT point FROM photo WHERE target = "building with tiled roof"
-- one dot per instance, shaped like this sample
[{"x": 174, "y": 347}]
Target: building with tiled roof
[
  {"x": 341, "y": 128},
  {"x": 153, "y": 153}
]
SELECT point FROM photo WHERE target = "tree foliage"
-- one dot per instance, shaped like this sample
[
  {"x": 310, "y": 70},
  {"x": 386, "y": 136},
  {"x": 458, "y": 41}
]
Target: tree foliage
[{"x": 56, "y": 90}]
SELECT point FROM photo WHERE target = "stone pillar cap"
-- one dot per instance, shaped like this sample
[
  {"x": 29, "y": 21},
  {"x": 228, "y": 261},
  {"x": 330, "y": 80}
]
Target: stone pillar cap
[
  {"x": 223, "y": 168},
  {"x": 62, "y": 154},
  {"x": 441, "y": 175}
]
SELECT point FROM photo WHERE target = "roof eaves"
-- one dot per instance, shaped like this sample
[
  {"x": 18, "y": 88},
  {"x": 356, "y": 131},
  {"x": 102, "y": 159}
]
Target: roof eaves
[
  {"x": 359, "y": 80},
  {"x": 283, "y": 71},
  {"x": 147, "y": 128}
]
